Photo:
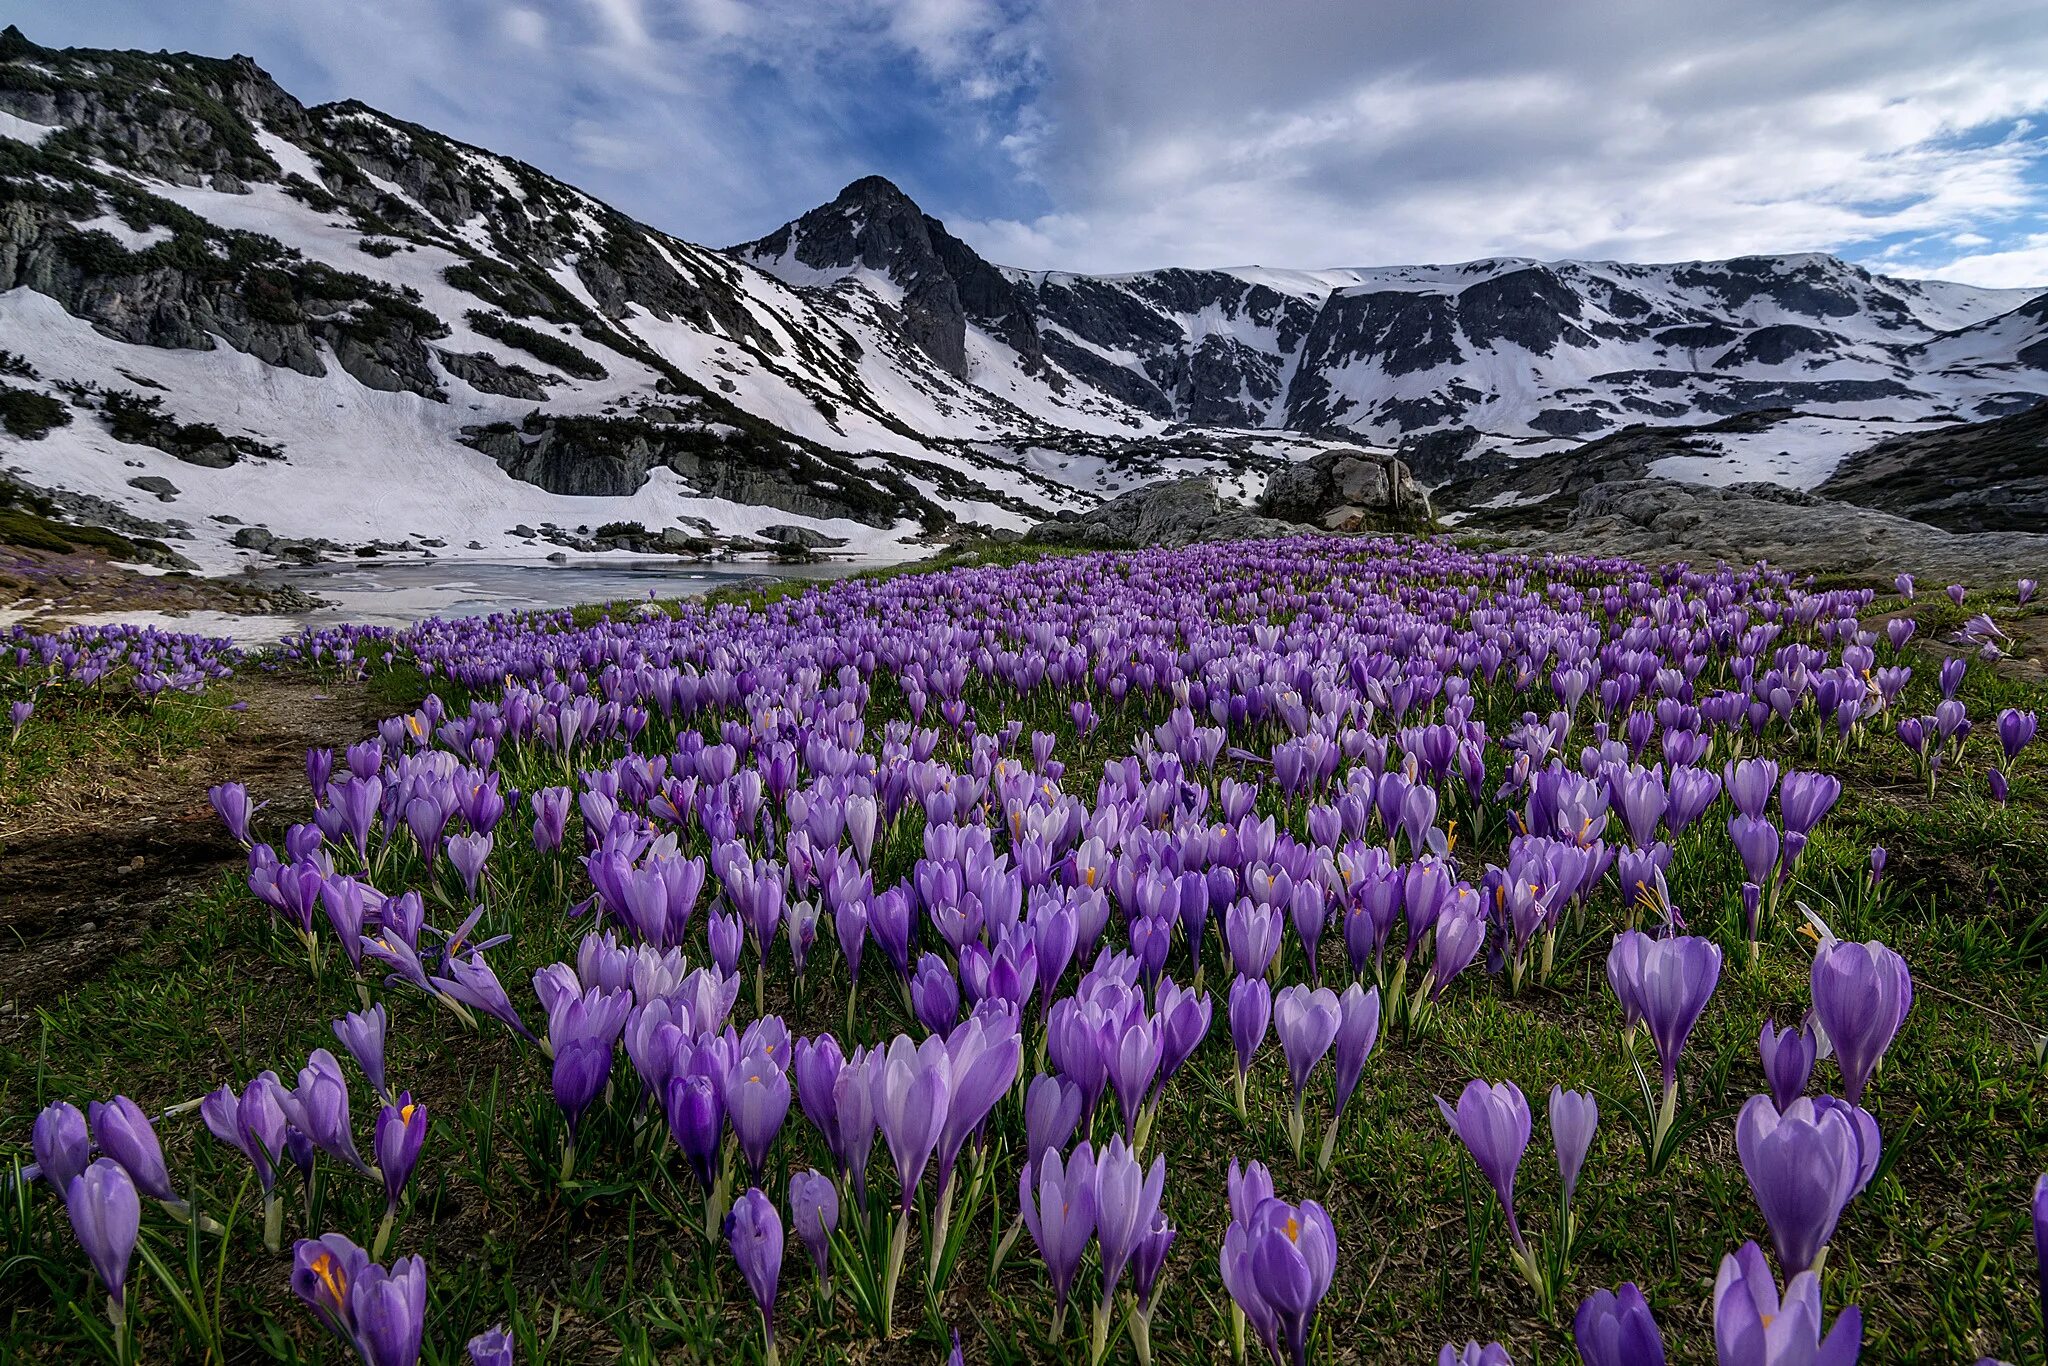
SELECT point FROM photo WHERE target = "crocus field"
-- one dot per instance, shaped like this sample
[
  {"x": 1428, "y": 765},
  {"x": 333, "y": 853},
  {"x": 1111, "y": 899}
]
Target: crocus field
[{"x": 1326, "y": 950}]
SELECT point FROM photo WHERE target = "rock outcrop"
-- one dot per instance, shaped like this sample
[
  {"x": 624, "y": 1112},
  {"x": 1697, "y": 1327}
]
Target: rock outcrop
[
  {"x": 1173, "y": 513},
  {"x": 1976, "y": 476},
  {"x": 1657, "y": 521},
  {"x": 1346, "y": 490}
]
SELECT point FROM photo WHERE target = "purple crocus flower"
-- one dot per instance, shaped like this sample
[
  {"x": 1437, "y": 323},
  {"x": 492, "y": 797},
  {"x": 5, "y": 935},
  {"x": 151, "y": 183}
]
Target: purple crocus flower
[
  {"x": 1358, "y": 1029},
  {"x": 319, "y": 1108},
  {"x": 982, "y": 1058},
  {"x": 911, "y": 1089},
  {"x": 18, "y": 714},
  {"x": 1749, "y": 784},
  {"x": 584, "y": 1032},
  {"x": 1126, "y": 1207},
  {"x": 1574, "y": 1116},
  {"x": 935, "y": 994},
  {"x": 814, "y": 1214},
  {"x": 815, "y": 1065},
  {"x": 1306, "y": 1020},
  {"x": 106, "y": 1216},
  {"x": 1251, "y": 1009},
  {"x": 1804, "y": 799},
  {"x": 469, "y": 853},
  {"x": 1184, "y": 1019},
  {"x": 471, "y": 982},
  {"x": 1492, "y": 1121},
  {"x": 324, "y": 1275},
  {"x": 1060, "y": 1213},
  {"x": 1675, "y": 980},
  {"x": 2040, "y": 1212},
  {"x": 1804, "y": 1166},
  {"x": 757, "y": 1102},
  {"x": 1277, "y": 1265},
  {"x": 400, "y": 1134},
  {"x": 1753, "y": 1327},
  {"x": 1861, "y": 993},
  {"x": 362, "y": 1033},
  {"x": 492, "y": 1347},
  {"x": 725, "y": 935},
  {"x": 695, "y": 1110},
  {"x": 2016, "y": 730},
  {"x": 1615, "y": 1328},
  {"x": 62, "y": 1145},
  {"x": 550, "y": 817},
  {"x": 124, "y": 1133},
  {"x": 230, "y": 801},
  {"x": 1131, "y": 1060},
  {"x": 1788, "y": 1059},
  {"x": 754, "y": 1230},
  {"x": 1474, "y": 1353},
  {"x": 1756, "y": 844},
  {"x": 1251, "y": 934},
  {"x": 1052, "y": 1107},
  {"x": 390, "y": 1312}
]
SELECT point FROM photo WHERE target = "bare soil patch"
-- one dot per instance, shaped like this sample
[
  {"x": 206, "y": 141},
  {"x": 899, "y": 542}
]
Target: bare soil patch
[{"x": 88, "y": 866}]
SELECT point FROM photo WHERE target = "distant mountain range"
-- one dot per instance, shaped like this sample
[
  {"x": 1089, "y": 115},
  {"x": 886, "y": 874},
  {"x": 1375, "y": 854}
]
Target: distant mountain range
[{"x": 280, "y": 328}]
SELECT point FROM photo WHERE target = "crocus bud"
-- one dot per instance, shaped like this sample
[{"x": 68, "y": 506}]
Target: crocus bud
[
  {"x": 106, "y": 1214},
  {"x": 62, "y": 1146}
]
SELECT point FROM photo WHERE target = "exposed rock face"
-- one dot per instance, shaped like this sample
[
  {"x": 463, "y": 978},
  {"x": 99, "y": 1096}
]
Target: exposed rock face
[
  {"x": 1981, "y": 476},
  {"x": 1174, "y": 513},
  {"x": 802, "y": 537},
  {"x": 596, "y": 457},
  {"x": 485, "y": 372},
  {"x": 1346, "y": 490},
  {"x": 875, "y": 225},
  {"x": 1656, "y": 520}
]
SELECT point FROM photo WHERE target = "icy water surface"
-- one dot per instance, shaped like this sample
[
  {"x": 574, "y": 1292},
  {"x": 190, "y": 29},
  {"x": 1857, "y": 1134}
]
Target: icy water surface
[{"x": 399, "y": 594}]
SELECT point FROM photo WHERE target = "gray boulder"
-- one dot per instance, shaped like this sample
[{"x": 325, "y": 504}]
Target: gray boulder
[
  {"x": 801, "y": 536},
  {"x": 1174, "y": 513},
  {"x": 1346, "y": 490}
]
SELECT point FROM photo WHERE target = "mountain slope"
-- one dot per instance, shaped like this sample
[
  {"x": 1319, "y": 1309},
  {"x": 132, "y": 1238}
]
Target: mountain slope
[
  {"x": 1982, "y": 476},
  {"x": 1533, "y": 355},
  {"x": 277, "y": 327}
]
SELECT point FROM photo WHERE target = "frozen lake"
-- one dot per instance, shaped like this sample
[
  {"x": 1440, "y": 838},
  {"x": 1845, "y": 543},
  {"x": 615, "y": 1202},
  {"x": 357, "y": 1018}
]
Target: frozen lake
[{"x": 400, "y": 593}]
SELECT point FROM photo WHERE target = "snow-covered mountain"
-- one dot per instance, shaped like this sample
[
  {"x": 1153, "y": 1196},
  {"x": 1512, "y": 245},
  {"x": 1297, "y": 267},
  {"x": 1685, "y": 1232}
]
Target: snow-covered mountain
[
  {"x": 1512, "y": 355},
  {"x": 243, "y": 324}
]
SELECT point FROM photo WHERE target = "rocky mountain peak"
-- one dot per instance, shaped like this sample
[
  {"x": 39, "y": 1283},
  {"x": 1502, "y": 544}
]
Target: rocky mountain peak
[{"x": 873, "y": 225}]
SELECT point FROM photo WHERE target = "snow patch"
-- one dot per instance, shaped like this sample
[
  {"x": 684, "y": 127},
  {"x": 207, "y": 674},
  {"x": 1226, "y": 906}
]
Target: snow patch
[{"x": 21, "y": 130}]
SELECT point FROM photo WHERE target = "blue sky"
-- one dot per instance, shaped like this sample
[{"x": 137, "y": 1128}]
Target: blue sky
[{"x": 1124, "y": 134}]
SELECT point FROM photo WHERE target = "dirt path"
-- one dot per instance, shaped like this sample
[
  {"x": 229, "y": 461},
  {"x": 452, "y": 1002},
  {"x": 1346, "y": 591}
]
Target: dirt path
[{"x": 86, "y": 868}]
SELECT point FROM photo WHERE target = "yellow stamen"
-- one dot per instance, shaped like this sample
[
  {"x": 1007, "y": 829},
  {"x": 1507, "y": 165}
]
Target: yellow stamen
[{"x": 332, "y": 1276}]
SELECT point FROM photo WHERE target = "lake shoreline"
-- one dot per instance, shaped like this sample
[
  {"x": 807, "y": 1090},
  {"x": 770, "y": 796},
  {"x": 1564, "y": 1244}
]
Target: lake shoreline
[{"x": 263, "y": 606}]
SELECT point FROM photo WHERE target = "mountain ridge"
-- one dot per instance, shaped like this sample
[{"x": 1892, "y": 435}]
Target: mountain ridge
[{"x": 349, "y": 300}]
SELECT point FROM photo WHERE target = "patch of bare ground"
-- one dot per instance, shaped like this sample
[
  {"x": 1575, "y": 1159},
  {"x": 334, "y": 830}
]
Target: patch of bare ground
[{"x": 91, "y": 862}]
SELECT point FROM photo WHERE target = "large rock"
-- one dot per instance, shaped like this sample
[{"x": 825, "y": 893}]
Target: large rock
[
  {"x": 1174, "y": 513},
  {"x": 800, "y": 536},
  {"x": 1657, "y": 521},
  {"x": 1346, "y": 490}
]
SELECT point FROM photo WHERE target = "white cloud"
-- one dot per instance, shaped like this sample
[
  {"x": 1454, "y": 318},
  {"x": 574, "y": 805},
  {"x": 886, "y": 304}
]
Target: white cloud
[
  {"x": 1154, "y": 132},
  {"x": 1207, "y": 132},
  {"x": 2022, "y": 265},
  {"x": 527, "y": 27}
]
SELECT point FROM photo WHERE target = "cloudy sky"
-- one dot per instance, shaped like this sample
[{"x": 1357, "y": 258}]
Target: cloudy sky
[{"x": 1122, "y": 134}]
